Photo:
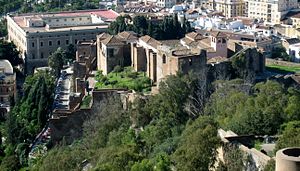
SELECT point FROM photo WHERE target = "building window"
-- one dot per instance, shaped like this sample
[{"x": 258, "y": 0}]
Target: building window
[
  {"x": 67, "y": 42},
  {"x": 58, "y": 42},
  {"x": 190, "y": 61},
  {"x": 33, "y": 56},
  {"x": 32, "y": 44},
  {"x": 50, "y": 43},
  {"x": 76, "y": 41},
  {"x": 42, "y": 44},
  {"x": 65, "y": 19},
  {"x": 164, "y": 59},
  {"x": 80, "y": 19},
  {"x": 110, "y": 53},
  {"x": 57, "y": 20},
  {"x": 42, "y": 55}
]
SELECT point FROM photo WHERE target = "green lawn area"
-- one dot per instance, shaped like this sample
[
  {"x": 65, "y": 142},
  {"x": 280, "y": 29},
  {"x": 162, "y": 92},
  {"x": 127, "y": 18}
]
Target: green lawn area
[
  {"x": 283, "y": 69},
  {"x": 124, "y": 78},
  {"x": 86, "y": 102}
]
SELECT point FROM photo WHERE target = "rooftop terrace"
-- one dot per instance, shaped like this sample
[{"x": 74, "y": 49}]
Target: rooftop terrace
[{"x": 65, "y": 21}]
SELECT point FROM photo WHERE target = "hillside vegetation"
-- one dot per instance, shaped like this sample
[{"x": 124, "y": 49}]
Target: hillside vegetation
[{"x": 164, "y": 131}]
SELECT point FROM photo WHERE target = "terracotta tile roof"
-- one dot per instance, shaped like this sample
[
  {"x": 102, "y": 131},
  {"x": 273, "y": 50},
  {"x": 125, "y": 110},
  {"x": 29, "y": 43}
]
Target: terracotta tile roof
[
  {"x": 151, "y": 41},
  {"x": 245, "y": 20},
  {"x": 103, "y": 36},
  {"x": 187, "y": 41},
  {"x": 194, "y": 36},
  {"x": 113, "y": 40},
  {"x": 205, "y": 42},
  {"x": 218, "y": 34},
  {"x": 172, "y": 43},
  {"x": 128, "y": 35}
]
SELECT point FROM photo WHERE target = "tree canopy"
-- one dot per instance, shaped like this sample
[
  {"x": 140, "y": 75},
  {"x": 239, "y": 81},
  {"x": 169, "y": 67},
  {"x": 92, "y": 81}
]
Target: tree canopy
[
  {"x": 8, "y": 51},
  {"x": 61, "y": 57},
  {"x": 28, "y": 117},
  {"x": 168, "y": 28}
]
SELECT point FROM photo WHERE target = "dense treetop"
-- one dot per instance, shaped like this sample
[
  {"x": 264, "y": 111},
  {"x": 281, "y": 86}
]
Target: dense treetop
[
  {"x": 168, "y": 28},
  {"x": 46, "y": 6},
  {"x": 28, "y": 116}
]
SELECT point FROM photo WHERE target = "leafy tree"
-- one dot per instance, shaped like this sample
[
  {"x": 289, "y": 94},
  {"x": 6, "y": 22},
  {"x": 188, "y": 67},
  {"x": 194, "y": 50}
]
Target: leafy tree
[
  {"x": 293, "y": 107},
  {"x": 163, "y": 162},
  {"x": 8, "y": 51},
  {"x": 56, "y": 59},
  {"x": 151, "y": 29},
  {"x": 22, "y": 152},
  {"x": 3, "y": 27},
  {"x": 174, "y": 92},
  {"x": 118, "y": 26},
  {"x": 290, "y": 136},
  {"x": 29, "y": 115},
  {"x": 186, "y": 26},
  {"x": 233, "y": 158},
  {"x": 144, "y": 165},
  {"x": 70, "y": 54},
  {"x": 270, "y": 166},
  {"x": 139, "y": 116},
  {"x": 10, "y": 163},
  {"x": 280, "y": 52},
  {"x": 169, "y": 28},
  {"x": 259, "y": 114},
  {"x": 140, "y": 25},
  {"x": 198, "y": 148}
]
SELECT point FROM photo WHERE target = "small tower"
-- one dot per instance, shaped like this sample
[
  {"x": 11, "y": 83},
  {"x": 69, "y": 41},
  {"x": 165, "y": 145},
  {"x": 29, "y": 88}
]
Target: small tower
[{"x": 219, "y": 43}]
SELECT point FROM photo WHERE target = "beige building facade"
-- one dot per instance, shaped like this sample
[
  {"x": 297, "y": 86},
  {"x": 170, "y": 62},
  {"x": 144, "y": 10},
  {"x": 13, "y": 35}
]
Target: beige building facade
[
  {"x": 230, "y": 8},
  {"x": 270, "y": 11},
  {"x": 38, "y": 35}
]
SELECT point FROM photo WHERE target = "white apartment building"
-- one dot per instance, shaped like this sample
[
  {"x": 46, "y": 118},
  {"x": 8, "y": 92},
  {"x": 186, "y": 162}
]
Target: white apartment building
[
  {"x": 38, "y": 35},
  {"x": 270, "y": 10},
  {"x": 165, "y": 3}
]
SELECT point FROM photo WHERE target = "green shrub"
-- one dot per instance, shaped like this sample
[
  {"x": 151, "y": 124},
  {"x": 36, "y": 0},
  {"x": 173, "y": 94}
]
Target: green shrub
[{"x": 124, "y": 78}]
